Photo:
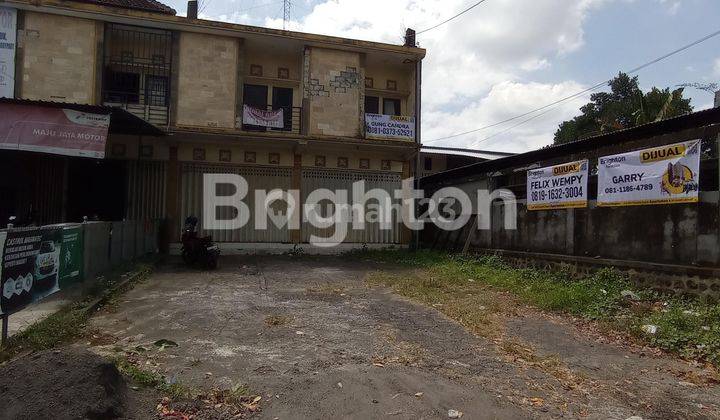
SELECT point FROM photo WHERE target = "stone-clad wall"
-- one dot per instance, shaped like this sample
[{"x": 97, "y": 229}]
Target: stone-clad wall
[
  {"x": 58, "y": 58},
  {"x": 333, "y": 86},
  {"x": 207, "y": 80}
]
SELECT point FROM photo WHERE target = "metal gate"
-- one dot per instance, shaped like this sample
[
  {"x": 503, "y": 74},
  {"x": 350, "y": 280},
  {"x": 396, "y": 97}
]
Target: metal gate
[
  {"x": 313, "y": 179},
  {"x": 146, "y": 181},
  {"x": 258, "y": 178}
]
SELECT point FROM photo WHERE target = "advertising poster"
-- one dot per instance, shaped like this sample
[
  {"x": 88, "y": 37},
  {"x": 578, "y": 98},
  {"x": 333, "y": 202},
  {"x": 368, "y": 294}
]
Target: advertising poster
[
  {"x": 30, "y": 267},
  {"x": 53, "y": 130},
  {"x": 263, "y": 118},
  {"x": 3, "y": 235},
  {"x": 71, "y": 256},
  {"x": 661, "y": 175},
  {"x": 8, "y": 41},
  {"x": 389, "y": 126},
  {"x": 558, "y": 187}
]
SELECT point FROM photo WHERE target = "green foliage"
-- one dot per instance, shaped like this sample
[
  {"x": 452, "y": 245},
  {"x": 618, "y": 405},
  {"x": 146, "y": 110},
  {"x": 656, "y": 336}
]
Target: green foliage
[
  {"x": 140, "y": 376},
  {"x": 689, "y": 328},
  {"x": 58, "y": 328},
  {"x": 68, "y": 323},
  {"x": 686, "y": 326},
  {"x": 150, "y": 379},
  {"x": 625, "y": 106}
]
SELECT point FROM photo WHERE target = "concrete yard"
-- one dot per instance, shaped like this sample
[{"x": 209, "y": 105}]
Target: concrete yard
[{"x": 310, "y": 337}]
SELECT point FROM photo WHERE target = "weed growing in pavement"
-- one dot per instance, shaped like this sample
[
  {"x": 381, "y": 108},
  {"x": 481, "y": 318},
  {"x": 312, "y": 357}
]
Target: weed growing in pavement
[
  {"x": 451, "y": 283},
  {"x": 276, "y": 320},
  {"x": 149, "y": 379}
]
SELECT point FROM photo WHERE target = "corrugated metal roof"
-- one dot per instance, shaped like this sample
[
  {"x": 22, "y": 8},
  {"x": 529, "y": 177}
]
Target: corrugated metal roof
[
  {"x": 145, "y": 5},
  {"x": 482, "y": 154},
  {"x": 696, "y": 119},
  {"x": 121, "y": 121}
]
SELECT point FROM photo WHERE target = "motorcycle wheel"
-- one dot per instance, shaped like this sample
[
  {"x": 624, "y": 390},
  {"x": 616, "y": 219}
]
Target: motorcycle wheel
[
  {"x": 212, "y": 263},
  {"x": 188, "y": 257}
]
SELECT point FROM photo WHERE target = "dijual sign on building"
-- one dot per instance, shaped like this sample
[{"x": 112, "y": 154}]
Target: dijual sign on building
[
  {"x": 389, "y": 126},
  {"x": 558, "y": 187},
  {"x": 661, "y": 175}
]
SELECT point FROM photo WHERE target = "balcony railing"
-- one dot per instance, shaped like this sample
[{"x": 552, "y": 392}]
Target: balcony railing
[
  {"x": 136, "y": 71},
  {"x": 268, "y": 119},
  {"x": 154, "y": 114}
]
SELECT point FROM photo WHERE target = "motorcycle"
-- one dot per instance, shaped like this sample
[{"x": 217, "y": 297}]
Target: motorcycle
[{"x": 198, "y": 249}]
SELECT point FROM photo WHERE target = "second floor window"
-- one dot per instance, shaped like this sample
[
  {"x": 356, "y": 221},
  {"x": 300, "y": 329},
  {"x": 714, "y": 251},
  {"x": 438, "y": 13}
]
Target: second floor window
[
  {"x": 256, "y": 96},
  {"x": 283, "y": 99},
  {"x": 372, "y": 105},
  {"x": 136, "y": 70},
  {"x": 391, "y": 106}
]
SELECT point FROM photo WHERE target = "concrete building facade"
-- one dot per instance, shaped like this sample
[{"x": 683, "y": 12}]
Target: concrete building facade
[{"x": 193, "y": 78}]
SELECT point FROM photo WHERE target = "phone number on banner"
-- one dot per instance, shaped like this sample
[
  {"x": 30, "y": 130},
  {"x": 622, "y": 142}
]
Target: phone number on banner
[
  {"x": 628, "y": 188},
  {"x": 557, "y": 193}
]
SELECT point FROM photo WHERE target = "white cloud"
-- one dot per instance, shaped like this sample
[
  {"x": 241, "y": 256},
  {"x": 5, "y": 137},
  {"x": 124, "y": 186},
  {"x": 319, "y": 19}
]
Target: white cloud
[
  {"x": 506, "y": 100},
  {"x": 716, "y": 67},
  {"x": 672, "y": 6}
]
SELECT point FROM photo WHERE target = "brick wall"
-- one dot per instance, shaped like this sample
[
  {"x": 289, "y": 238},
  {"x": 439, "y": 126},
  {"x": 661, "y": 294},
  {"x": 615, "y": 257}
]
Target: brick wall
[
  {"x": 333, "y": 88},
  {"x": 58, "y": 58},
  {"x": 207, "y": 80}
]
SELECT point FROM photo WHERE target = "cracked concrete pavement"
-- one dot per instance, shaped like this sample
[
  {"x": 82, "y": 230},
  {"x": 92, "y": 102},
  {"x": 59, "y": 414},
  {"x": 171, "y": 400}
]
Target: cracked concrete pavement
[{"x": 314, "y": 341}]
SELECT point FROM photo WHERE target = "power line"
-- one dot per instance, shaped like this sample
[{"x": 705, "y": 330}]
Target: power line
[
  {"x": 601, "y": 84},
  {"x": 594, "y": 87},
  {"x": 456, "y": 16},
  {"x": 512, "y": 127},
  {"x": 258, "y": 6}
]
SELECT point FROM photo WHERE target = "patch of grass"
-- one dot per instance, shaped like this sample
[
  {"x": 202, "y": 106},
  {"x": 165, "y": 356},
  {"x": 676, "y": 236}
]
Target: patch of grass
[
  {"x": 454, "y": 284},
  {"x": 69, "y": 322},
  {"x": 276, "y": 320},
  {"x": 239, "y": 391},
  {"x": 327, "y": 289},
  {"x": 149, "y": 379},
  {"x": 139, "y": 376},
  {"x": 239, "y": 397},
  {"x": 61, "y": 327}
]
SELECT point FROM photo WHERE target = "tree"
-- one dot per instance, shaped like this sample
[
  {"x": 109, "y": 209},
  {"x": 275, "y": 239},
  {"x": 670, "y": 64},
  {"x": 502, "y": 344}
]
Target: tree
[{"x": 625, "y": 106}]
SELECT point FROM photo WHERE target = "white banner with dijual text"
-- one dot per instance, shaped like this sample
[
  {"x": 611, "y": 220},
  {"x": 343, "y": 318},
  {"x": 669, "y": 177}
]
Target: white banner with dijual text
[
  {"x": 389, "y": 126},
  {"x": 558, "y": 187},
  {"x": 263, "y": 118},
  {"x": 8, "y": 36},
  {"x": 661, "y": 175}
]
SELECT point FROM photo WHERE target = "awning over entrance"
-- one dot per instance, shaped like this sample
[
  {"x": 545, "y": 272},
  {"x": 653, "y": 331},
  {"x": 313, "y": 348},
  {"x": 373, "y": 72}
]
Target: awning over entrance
[{"x": 64, "y": 128}]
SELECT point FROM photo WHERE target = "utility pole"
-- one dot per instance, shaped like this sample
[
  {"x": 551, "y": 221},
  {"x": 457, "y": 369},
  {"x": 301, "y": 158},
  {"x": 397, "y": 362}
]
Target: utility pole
[{"x": 287, "y": 4}]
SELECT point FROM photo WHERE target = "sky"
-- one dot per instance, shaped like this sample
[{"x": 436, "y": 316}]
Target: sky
[{"x": 507, "y": 57}]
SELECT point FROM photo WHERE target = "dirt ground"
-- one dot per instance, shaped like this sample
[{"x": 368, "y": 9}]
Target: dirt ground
[
  {"x": 69, "y": 384},
  {"x": 311, "y": 338}
]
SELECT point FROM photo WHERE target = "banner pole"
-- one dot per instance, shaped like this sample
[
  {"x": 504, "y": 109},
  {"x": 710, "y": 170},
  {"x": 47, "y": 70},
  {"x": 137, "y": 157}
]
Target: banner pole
[{"x": 4, "y": 337}]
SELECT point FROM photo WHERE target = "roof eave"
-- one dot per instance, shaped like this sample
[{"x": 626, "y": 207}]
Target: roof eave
[
  {"x": 166, "y": 21},
  {"x": 121, "y": 121},
  {"x": 702, "y": 118}
]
